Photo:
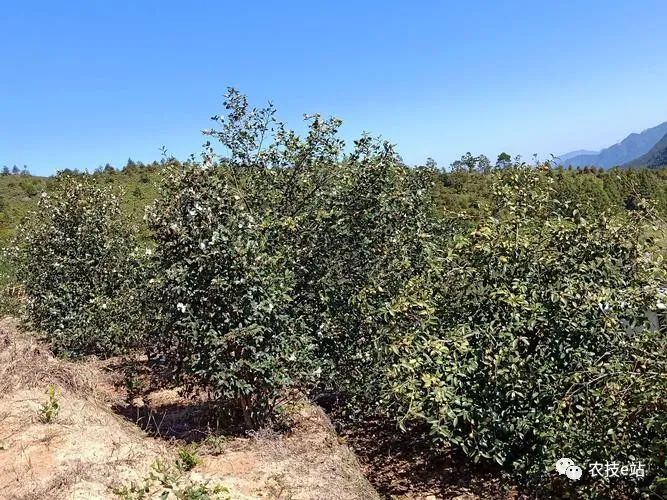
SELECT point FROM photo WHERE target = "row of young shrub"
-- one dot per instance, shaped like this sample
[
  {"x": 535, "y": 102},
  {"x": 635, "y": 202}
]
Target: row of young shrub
[{"x": 290, "y": 266}]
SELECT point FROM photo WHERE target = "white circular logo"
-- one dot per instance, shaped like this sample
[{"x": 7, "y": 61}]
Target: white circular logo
[
  {"x": 566, "y": 466},
  {"x": 563, "y": 464},
  {"x": 573, "y": 472}
]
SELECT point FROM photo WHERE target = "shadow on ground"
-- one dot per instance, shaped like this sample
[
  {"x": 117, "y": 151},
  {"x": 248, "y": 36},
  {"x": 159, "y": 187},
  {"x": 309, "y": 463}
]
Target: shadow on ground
[{"x": 402, "y": 465}]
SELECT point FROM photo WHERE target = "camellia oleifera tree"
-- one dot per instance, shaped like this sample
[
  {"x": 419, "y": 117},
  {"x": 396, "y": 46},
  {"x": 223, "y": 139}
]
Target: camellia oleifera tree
[
  {"x": 273, "y": 260},
  {"x": 371, "y": 233},
  {"x": 527, "y": 340},
  {"x": 221, "y": 294},
  {"x": 77, "y": 260}
]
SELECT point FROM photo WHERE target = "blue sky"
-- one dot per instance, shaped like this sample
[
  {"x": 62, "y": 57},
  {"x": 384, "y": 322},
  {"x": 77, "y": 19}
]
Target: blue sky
[{"x": 83, "y": 83}]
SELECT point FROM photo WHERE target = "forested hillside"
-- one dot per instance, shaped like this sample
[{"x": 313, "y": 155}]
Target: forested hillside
[
  {"x": 656, "y": 157},
  {"x": 465, "y": 189}
]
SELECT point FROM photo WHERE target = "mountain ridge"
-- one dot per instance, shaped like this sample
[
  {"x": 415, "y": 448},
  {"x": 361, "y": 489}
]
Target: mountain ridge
[
  {"x": 634, "y": 146},
  {"x": 656, "y": 156},
  {"x": 578, "y": 152}
]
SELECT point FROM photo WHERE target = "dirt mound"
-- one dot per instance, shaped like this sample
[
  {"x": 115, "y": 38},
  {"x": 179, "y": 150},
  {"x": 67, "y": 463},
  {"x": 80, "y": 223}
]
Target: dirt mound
[
  {"x": 84, "y": 451},
  {"x": 310, "y": 462},
  {"x": 88, "y": 451}
]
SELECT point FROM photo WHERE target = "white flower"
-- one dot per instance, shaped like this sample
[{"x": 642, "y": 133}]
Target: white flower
[{"x": 181, "y": 307}]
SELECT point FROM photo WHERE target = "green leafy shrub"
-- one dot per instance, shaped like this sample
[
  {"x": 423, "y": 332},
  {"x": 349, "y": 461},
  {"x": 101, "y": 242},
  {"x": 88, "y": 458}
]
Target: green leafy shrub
[
  {"x": 224, "y": 286},
  {"x": 75, "y": 257},
  {"x": 369, "y": 234},
  {"x": 527, "y": 340},
  {"x": 222, "y": 297}
]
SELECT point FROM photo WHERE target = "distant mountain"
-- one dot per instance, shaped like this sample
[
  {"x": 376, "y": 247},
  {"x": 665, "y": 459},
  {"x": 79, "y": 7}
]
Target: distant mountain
[
  {"x": 656, "y": 157},
  {"x": 579, "y": 152},
  {"x": 629, "y": 149}
]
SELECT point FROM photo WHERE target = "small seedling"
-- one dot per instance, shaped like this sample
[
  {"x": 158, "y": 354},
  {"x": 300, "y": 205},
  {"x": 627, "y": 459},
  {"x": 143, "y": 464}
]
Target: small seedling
[
  {"x": 167, "y": 481},
  {"x": 213, "y": 444},
  {"x": 49, "y": 410},
  {"x": 187, "y": 459},
  {"x": 132, "y": 492}
]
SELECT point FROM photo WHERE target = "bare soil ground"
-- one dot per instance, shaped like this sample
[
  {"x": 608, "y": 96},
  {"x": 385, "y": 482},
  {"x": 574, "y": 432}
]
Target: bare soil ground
[
  {"x": 93, "y": 447},
  {"x": 402, "y": 466}
]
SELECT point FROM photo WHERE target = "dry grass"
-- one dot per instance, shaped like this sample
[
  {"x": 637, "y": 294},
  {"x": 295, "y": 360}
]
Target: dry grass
[
  {"x": 86, "y": 450},
  {"x": 26, "y": 363}
]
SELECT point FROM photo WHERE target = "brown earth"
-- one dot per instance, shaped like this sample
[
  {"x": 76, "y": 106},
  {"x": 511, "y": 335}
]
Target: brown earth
[
  {"x": 90, "y": 451},
  {"x": 402, "y": 466}
]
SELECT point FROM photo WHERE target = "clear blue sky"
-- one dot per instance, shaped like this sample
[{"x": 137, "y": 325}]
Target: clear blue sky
[{"x": 83, "y": 83}]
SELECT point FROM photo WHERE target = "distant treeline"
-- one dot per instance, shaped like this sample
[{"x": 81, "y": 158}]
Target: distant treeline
[
  {"x": 467, "y": 187},
  {"x": 15, "y": 170}
]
